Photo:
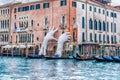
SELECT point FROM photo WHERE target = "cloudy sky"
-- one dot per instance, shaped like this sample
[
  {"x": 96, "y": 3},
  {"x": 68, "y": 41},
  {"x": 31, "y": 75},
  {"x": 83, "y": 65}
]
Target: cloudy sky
[{"x": 114, "y": 2}]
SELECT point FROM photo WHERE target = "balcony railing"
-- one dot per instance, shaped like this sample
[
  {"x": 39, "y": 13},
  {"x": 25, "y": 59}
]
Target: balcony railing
[
  {"x": 3, "y": 43},
  {"x": 63, "y": 26},
  {"x": 4, "y": 30},
  {"x": 23, "y": 29},
  {"x": 45, "y": 27}
]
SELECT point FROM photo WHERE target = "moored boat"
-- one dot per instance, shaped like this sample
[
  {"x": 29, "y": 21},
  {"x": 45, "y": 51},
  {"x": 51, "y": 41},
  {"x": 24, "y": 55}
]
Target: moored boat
[{"x": 99, "y": 59}]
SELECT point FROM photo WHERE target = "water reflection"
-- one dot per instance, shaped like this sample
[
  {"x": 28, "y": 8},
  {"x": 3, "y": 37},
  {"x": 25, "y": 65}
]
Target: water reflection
[{"x": 31, "y": 69}]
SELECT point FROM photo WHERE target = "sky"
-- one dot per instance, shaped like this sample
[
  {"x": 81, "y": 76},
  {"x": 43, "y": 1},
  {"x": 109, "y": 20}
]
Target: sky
[{"x": 114, "y": 2}]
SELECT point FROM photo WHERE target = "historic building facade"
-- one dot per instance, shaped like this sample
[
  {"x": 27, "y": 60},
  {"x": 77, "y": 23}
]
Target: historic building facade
[
  {"x": 31, "y": 21},
  {"x": 88, "y": 21},
  {"x": 98, "y": 24}
]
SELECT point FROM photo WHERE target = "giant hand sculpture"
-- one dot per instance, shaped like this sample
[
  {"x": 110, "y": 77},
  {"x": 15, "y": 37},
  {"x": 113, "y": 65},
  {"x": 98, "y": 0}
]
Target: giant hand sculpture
[
  {"x": 61, "y": 40},
  {"x": 48, "y": 37}
]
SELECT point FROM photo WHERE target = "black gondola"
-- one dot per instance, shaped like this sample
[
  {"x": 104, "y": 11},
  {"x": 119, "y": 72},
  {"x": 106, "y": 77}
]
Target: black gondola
[
  {"x": 116, "y": 58},
  {"x": 108, "y": 59},
  {"x": 82, "y": 58},
  {"x": 35, "y": 56},
  {"x": 58, "y": 57},
  {"x": 99, "y": 59}
]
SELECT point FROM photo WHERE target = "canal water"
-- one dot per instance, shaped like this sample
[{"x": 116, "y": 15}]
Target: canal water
[{"x": 12, "y": 68}]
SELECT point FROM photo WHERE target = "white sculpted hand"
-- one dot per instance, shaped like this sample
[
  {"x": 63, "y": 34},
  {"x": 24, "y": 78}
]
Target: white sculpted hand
[
  {"x": 48, "y": 37},
  {"x": 61, "y": 40}
]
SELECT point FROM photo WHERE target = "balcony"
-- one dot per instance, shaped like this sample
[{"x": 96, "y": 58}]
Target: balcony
[
  {"x": 3, "y": 43},
  {"x": 75, "y": 26},
  {"x": 4, "y": 30},
  {"x": 23, "y": 29},
  {"x": 45, "y": 27},
  {"x": 63, "y": 26}
]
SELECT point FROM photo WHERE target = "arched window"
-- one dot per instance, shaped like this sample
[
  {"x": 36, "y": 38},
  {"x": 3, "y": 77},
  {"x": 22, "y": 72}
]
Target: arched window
[
  {"x": 115, "y": 27},
  {"x": 83, "y": 22},
  {"x": 111, "y": 27},
  {"x": 95, "y": 24},
  {"x": 103, "y": 38},
  {"x": 108, "y": 26},
  {"x": 95, "y": 37},
  {"x": 90, "y": 24},
  {"x": 100, "y": 38},
  {"x": 115, "y": 39},
  {"x": 91, "y": 37},
  {"x": 104, "y": 26},
  {"x": 112, "y": 41},
  {"x": 3, "y": 24},
  {"x": 32, "y": 23},
  {"x": 83, "y": 37},
  {"x": 63, "y": 19},
  {"x": 108, "y": 39},
  {"x": 100, "y": 27}
]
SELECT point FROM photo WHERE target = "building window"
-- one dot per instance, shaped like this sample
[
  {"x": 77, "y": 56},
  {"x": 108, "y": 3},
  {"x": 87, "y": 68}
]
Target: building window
[
  {"x": 15, "y": 10},
  {"x": 14, "y": 16},
  {"x": 46, "y": 21},
  {"x": 8, "y": 11},
  {"x": 103, "y": 11},
  {"x": 99, "y": 10},
  {"x": 115, "y": 40},
  {"x": 115, "y": 27},
  {"x": 63, "y": 2},
  {"x": 83, "y": 22},
  {"x": 32, "y": 23},
  {"x": 74, "y": 36},
  {"x": 90, "y": 24},
  {"x": 91, "y": 37},
  {"x": 95, "y": 37},
  {"x": 100, "y": 26},
  {"x": 100, "y": 38},
  {"x": 111, "y": 14},
  {"x": 90, "y": 8},
  {"x": 95, "y": 24},
  {"x": 83, "y": 37},
  {"x": 32, "y": 7},
  {"x": 107, "y": 13},
  {"x": 37, "y": 6},
  {"x": 103, "y": 38},
  {"x": 63, "y": 20},
  {"x": 83, "y": 6},
  {"x": 115, "y": 15},
  {"x": 74, "y": 4},
  {"x": 104, "y": 26},
  {"x": 95, "y": 9},
  {"x": 112, "y": 40},
  {"x": 108, "y": 39},
  {"x": 111, "y": 27},
  {"x": 108, "y": 26},
  {"x": 46, "y": 5}
]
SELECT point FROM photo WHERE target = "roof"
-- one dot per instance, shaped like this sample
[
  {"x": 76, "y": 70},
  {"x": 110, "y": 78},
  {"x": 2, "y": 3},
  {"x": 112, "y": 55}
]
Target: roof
[{"x": 9, "y": 4}]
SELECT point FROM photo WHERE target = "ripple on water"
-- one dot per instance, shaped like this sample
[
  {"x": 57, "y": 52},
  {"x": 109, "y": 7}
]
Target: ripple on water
[{"x": 12, "y": 68}]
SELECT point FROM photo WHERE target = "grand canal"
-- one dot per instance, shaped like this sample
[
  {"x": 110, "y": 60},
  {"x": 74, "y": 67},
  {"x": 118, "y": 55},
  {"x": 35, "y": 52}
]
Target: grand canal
[{"x": 12, "y": 68}]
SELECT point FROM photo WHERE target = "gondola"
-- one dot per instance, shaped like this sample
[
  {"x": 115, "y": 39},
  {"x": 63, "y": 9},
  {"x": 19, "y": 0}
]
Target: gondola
[
  {"x": 58, "y": 57},
  {"x": 82, "y": 58},
  {"x": 35, "y": 56},
  {"x": 116, "y": 58},
  {"x": 99, "y": 59},
  {"x": 108, "y": 59}
]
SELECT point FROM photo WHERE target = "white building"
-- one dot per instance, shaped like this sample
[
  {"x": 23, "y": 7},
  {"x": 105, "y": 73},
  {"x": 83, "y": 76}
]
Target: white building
[{"x": 98, "y": 23}]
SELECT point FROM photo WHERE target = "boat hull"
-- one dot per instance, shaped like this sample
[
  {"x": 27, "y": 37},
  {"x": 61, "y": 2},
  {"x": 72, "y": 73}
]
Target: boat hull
[
  {"x": 116, "y": 58},
  {"x": 36, "y": 56}
]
